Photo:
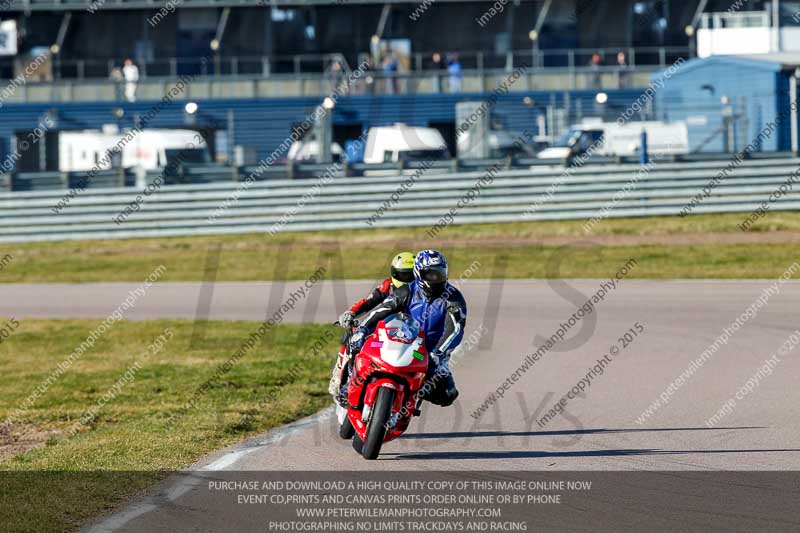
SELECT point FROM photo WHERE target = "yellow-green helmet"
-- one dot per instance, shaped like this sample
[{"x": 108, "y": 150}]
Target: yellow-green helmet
[{"x": 402, "y": 269}]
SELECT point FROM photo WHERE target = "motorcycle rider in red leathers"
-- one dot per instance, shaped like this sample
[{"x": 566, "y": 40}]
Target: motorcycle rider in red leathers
[
  {"x": 401, "y": 273},
  {"x": 440, "y": 309}
]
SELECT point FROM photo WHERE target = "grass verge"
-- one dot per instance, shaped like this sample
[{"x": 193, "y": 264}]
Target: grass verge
[
  {"x": 63, "y": 478},
  {"x": 666, "y": 247}
]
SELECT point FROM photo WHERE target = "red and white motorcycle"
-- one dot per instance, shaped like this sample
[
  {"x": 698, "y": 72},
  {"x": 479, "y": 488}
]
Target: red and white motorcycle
[{"x": 383, "y": 392}]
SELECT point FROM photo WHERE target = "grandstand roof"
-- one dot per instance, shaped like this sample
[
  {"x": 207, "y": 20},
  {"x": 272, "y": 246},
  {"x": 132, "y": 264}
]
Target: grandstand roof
[
  {"x": 761, "y": 62},
  {"x": 784, "y": 59}
]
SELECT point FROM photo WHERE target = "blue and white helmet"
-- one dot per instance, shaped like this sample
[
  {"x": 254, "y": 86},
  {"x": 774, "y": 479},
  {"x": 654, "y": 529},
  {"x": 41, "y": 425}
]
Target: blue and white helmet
[{"x": 430, "y": 270}]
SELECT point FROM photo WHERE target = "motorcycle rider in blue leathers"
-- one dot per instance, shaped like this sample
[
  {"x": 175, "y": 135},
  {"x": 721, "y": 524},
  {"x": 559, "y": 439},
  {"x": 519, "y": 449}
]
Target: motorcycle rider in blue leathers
[{"x": 441, "y": 312}]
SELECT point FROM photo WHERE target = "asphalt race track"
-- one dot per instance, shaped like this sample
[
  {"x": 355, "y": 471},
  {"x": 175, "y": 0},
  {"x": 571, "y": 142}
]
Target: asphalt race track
[{"x": 598, "y": 431}]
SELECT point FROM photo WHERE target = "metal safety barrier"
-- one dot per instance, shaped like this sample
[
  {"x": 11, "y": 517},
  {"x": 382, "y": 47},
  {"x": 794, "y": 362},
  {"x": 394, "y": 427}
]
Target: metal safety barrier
[{"x": 545, "y": 193}]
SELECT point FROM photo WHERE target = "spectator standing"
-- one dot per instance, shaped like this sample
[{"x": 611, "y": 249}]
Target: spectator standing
[
  {"x": 369, "y": 81},
  {"x": 622, "y": 66},
  {"x": 336, "y": 77},
  {"x": 454, "y": 70},
  {"x": 131, "y": 74},
  {"x": 389, "y": 70},
  {"x": 595, "y": 63},
  {"x": 118, "y": 79},
  {"x": 437, "y": 67}
]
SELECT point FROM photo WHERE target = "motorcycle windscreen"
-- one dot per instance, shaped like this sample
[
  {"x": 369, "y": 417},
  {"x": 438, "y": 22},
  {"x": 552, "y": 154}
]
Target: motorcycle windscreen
[
  {"x": 402, "y": 328},
  {"x": 400, "y": 340}
]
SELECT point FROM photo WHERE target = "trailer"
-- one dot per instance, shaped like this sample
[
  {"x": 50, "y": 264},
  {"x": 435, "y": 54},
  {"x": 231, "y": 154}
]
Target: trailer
[{"x": 82, "y": 151}]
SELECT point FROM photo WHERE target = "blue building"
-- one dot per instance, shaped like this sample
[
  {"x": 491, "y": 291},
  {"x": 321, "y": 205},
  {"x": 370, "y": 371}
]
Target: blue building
[{"x": 727, "y": 101}]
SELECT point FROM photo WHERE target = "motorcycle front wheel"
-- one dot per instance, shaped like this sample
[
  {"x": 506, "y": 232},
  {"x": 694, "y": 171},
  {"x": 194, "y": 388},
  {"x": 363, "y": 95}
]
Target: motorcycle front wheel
[{"x": 376, "y": 431}]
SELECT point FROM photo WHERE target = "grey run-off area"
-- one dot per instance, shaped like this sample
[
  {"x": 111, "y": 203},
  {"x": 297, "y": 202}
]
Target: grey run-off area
[{"x": 597, "y": 432}]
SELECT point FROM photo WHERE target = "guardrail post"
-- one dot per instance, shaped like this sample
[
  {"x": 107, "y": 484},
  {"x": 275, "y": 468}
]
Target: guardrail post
[
  {"x": 795, "y": 138},
  {"x": 644, "y": 159},
  {"x": 573, "y": 78},
  {"x": 140, "y": 177}
]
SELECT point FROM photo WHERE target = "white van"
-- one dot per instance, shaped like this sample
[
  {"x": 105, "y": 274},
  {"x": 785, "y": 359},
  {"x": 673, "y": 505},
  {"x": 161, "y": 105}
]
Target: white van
[
  {"x": 81, "y": 151},
  {"x": 308, "y": 151},
  {"x": 663, "y": 138},
  {"x": 392, "y": 144}
]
